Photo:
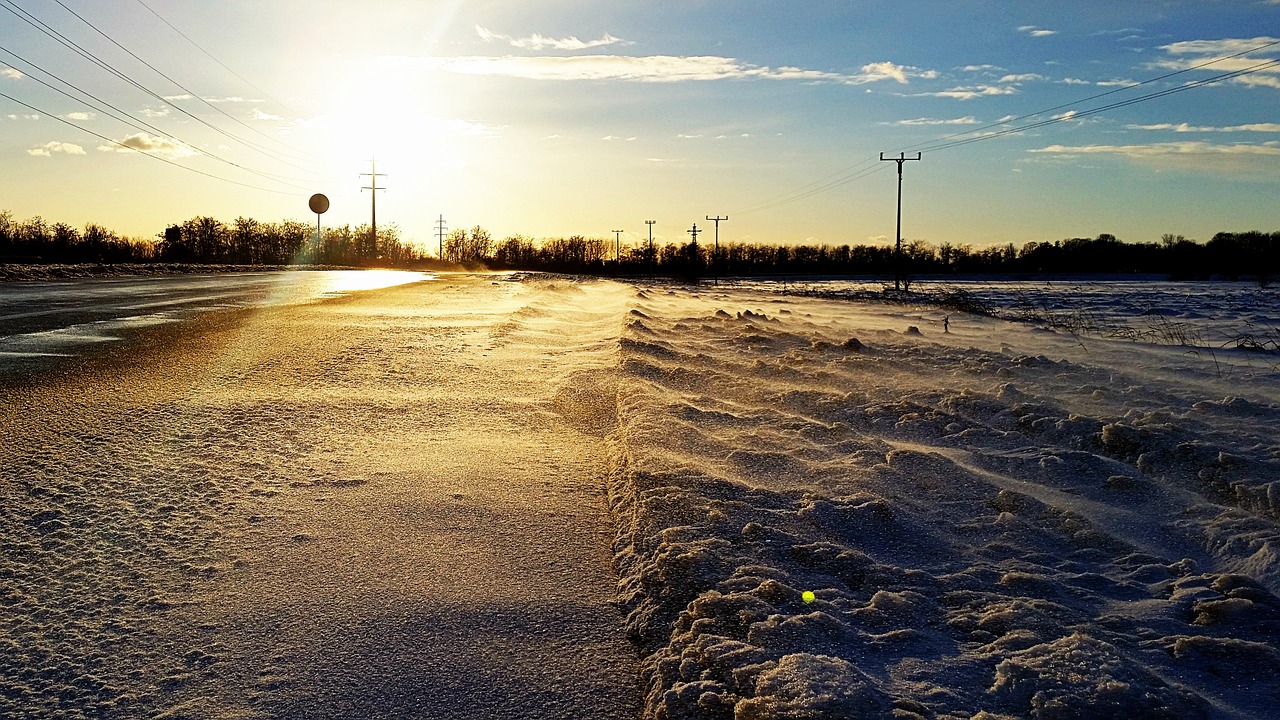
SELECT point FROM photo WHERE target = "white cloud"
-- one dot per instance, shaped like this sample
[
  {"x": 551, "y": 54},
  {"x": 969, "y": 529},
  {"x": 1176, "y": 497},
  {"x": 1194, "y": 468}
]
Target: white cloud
[
  {"x": 1190, "y": 53},
  {"x": 231, "y": 99},
  {"x": 259, "y": 114},
  {"x": 1024, "y": 77},
  {"x": 981, "y": 68},
  {"x": 1191, "y": 155},
  {"x": 967, "y": 120},
  {"x": 1034, "y": 31},
  {"x": 49, "y": 148},
  {"x": 11, "y": 73},
  {"x": 176, "y": 98},
  {"x": 155, "y": 112},
  {"x": 541, "y": 42},
  {"x": 971, "y": 92},
  {"x": 28, "y": 116},
  {"x": 658, "y": 68},
  {"x": 142, "y": 142},
  {"x": 1185, "y": 128},
  {"x": 79, "y": 116}
]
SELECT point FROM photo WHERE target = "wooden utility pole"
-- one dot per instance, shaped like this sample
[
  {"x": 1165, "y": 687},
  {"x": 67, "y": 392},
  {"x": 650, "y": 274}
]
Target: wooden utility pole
[
  {"x": 715, "y": 255},
  {"x": 373, "y": 176},
  {"x": 617, "y": 245},
  {"x": 652, "y": 259},
  {"x": 897, "y": 253}
]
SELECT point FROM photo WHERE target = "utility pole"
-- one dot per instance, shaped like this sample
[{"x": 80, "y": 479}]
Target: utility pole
[
  {"x": 897, "y": 253},
  {"x": 715, "y": 256},
  {"x": 651, "y": 257},
  {"x": 617, "y": 245},
  {"x": 440, "y": 230},
  {"x": 373, "y": 175},
  {"x": 694, "y": 257}
]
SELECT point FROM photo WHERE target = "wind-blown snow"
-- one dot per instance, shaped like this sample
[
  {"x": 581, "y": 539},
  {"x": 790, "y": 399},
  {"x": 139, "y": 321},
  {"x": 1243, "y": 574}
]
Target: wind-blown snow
[{"x": 999, "y": 519}]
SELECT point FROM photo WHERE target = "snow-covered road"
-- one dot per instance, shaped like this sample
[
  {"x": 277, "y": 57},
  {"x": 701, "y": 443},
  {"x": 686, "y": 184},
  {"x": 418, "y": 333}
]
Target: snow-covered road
[{"x": 385, "y": 505}]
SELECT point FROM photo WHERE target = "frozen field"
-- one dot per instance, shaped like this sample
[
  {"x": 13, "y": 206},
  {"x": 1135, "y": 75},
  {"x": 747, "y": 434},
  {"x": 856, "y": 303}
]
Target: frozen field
[
  {"x": 1001, "y": 519},
  {"x": 402, "y": 503}
]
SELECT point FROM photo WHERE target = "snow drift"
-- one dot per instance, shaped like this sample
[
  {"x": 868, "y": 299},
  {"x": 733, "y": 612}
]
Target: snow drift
[{"x": 998, "y": 521}]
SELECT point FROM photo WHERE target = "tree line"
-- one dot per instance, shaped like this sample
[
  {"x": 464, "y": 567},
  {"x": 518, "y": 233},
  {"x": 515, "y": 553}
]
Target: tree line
[
  {"x": 247, "y": 241},
  {"x": 205, "y": 240}
]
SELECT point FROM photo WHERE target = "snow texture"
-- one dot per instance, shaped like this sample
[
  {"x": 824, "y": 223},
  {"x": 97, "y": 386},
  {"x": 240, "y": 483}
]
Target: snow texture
[{"x": 998, "y": 521}]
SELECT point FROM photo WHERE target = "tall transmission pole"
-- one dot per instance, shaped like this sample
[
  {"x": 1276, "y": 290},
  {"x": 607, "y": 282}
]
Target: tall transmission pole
[
  {"x": 617, "y": 244},
  {"x": 440, "y": 230},
  {"x": 651, "y": 257},
  {"x": 715, "y": 256},
  {"x": 373, "y": 176},
  {"x": 897, "y": 253}
]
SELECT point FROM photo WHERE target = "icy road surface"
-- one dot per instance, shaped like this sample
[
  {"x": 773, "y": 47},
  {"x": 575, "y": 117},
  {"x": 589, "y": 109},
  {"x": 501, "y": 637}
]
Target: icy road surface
[
  {"x": 387, "y": 505},
  {"x": 49, "y": 319}
]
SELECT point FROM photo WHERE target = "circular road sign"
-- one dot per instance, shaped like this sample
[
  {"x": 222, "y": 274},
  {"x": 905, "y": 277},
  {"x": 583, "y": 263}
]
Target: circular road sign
[{"x": 319, "y": 203}]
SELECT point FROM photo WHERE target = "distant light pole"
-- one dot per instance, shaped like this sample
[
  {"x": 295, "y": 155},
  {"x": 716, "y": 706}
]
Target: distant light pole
[
  {"x": 715, "y": 256},
  {"x": 617, "y": 245},
  {"x": 897, "y": 253}
]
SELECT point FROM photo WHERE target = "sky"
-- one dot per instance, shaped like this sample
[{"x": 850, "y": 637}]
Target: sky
[{"x": 550, "y": 119}]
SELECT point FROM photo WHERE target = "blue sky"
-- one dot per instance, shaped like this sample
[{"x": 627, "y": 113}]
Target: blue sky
[{"x": 559, "y": 118}]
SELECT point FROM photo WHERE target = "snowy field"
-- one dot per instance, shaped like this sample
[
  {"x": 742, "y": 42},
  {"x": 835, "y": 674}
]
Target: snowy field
[
  {"x": 998, "y": 521},
  {"x": 393, "y": 503}
]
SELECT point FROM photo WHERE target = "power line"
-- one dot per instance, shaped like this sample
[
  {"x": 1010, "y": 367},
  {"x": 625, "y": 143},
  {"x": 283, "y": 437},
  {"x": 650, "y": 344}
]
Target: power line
[
  {"x": 129, "y": 119},
  {"x": 44, "y": 28},
  {"x": 933, "y": 144},
  {"x": 211, "y": 57},
  {"x": 179, "y": 85},
  {"x": 866, "y": 168},
  {"x": 1095, "y": 111},
  {"x": 144, "y": 152}
]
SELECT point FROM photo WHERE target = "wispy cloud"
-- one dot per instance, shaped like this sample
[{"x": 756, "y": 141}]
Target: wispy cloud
[
  {"x": 79, "y": 116},
  {"x": 659, "y": 68},
  {"x": 1190, "y": 155},
  {"x": 1185, "y": 128},
  {"x": 11, "y": 73},
  {"x": 1024, "y": 77},
  {"x": 260, "y": 114},
  {"x": 541, "y": 42},
  {"x": 1034, "y": 31},
  {"x": 49, "y": 148},
  {"x": 142, "y": 142},
  {"x": 966, "y": 120},
  {"x": 1189, "y": 53},
  {"x": 972, "y": 92}
]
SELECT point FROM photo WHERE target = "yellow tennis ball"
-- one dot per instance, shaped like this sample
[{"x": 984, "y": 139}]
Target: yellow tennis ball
[{"x": 808, "y": 596}]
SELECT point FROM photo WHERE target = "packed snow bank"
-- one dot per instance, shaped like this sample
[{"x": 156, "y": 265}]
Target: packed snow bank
[{"x": 998, "y": 521}]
